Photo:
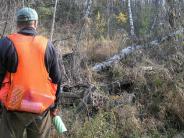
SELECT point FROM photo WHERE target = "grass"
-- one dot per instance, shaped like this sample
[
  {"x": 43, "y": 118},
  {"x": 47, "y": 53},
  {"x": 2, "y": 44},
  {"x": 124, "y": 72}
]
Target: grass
[
  {"x": 157, "y": 76},
  {"x": 98, "y": 51}
]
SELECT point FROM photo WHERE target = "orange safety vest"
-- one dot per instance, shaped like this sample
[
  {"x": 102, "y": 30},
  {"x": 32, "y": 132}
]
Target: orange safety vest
[
  {"x": 5, "y": 88},
  {"x": 30, "y": 88}
]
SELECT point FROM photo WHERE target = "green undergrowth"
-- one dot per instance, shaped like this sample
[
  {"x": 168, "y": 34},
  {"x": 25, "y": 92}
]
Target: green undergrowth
[{"x": 157, "y": 110}]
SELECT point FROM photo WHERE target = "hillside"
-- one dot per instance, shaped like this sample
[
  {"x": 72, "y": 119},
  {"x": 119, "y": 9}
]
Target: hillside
[
  {"x": 140, "y": 96},
  {"x": 122, "y": 64}
]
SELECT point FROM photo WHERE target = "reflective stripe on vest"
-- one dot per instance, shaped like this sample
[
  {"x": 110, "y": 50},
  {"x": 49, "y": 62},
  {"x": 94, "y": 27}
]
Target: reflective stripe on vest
[
  {"x": 31, "y": 89},
  {"x": 5, "y": 88}
]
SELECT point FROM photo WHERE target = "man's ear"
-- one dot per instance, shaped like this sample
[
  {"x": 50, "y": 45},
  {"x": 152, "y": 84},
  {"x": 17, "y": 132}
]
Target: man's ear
[{"x": 35, "y": 24}]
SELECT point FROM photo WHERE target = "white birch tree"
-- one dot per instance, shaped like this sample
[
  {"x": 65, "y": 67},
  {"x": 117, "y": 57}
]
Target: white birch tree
[
  {"x": 88, "y": 5},
  {"x": 132, "y": 32},
  {"x": 53, "y": 20}
]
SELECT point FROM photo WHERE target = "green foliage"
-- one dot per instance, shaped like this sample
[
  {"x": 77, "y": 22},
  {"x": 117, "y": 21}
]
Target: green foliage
[
  {"x": 127, "y": 123},
  {"x": 100, "y": 25},
  {"x": 108, "y": 17},
  {"x": 158, "y": 82},
  {"x": 144, "y": 20},
  {"x": 155, "y": 134},
  {"x": 102, "y": 126},
  {"x": 44, "y": 12},
  {"x": 118, "y": 71},
  {"x": 121, "y": 18},
  {"x": 68, "y": 12}
]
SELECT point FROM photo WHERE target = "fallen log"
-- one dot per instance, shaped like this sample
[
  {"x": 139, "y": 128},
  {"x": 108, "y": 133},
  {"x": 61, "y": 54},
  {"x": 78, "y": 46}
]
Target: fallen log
[
  {"x": 130, "y": 49},
  {"x": 70, "y": 95},
  {"x": 83, "y": 94},
  {"x": 117, "y": 87},
  {"x": 73, "y": 94}
]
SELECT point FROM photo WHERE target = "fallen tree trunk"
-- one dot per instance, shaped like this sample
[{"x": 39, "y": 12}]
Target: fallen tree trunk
[
  {"x": 86, "y": 93},
  {"x": 130, "y": 49}
]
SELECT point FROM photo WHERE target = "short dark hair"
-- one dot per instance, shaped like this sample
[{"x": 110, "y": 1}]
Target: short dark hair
[{"x": 24, "y": 23}]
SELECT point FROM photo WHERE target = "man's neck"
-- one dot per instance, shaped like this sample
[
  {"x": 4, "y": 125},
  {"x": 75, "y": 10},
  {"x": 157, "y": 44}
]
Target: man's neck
[{"x": 28, "y": 31}]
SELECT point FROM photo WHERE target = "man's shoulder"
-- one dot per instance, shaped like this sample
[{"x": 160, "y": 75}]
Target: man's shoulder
[
  {"x": 5, "y": 41},
  {"x": 7, "y": 48}
]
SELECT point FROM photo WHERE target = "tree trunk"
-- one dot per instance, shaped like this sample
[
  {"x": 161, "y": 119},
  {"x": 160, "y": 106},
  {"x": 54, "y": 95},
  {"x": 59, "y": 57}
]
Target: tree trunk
[
  {"x": 88, "y": 7},
  {"x": 132, "y": 33},
  {"x": 23, "y": 3},
  {"x": 53, "y": 21}
]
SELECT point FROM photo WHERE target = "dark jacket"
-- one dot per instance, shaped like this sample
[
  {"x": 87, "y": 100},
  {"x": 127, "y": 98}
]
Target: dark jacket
[{"x": 9, "y": 60}]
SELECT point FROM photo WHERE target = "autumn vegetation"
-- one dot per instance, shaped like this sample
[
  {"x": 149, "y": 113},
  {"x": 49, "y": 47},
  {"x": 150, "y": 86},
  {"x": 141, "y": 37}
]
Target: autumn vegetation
[{"x": 141, "y": 95}]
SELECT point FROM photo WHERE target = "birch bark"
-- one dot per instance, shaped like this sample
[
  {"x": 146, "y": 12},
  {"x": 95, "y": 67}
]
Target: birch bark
[
  {"x": 88, "y": 8},
  {"x": 132, "y": 32},
  {"x": 53, "y": 20}
]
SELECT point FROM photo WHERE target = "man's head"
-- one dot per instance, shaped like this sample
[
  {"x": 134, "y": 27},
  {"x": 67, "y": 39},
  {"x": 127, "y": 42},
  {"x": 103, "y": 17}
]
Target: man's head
[{"x": 27, "y": 17}]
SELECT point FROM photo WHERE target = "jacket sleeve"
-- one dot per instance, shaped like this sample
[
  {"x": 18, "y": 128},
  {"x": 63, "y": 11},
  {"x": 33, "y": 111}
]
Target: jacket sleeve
[
  {"x": 8, "y": 57},
  {"x": 52, "y": 66}
]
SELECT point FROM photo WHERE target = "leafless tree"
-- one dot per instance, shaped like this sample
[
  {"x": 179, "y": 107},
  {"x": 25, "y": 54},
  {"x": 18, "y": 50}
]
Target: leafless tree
[{"x": 53, "y": 20}]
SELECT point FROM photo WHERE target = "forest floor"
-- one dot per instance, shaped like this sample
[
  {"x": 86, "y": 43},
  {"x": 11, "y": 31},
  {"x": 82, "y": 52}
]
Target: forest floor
[{"x": 140, "y": 96}]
